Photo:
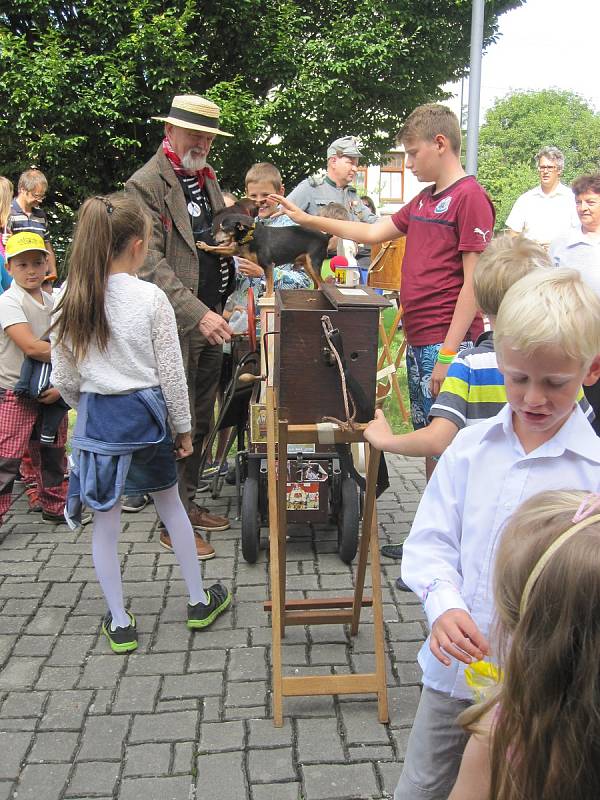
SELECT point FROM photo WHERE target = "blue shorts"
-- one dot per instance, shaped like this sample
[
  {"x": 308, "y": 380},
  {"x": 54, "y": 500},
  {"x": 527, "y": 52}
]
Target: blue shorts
[
  {"x": 420, "y": 361},
  {"x": 152, "y": 469}
]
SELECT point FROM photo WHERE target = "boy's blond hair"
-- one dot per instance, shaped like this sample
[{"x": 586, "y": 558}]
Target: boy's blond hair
[
  {"x": 428, "y": 121},
  {"x": 264, "y": 171},
  {"x": 506, "y": 260},
  {"x": 555, "y": 308},
  {"x": 334, "y": 211}
]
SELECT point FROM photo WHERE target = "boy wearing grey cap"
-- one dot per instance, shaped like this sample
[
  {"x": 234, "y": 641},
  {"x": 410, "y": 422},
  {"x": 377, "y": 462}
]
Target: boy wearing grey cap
[{"x": 317, "y": 191}]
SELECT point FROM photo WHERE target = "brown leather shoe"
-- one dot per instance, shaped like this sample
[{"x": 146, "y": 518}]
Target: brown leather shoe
[
  {"x": 200, "y": 518},
  {"x": 204, "y": 550}
]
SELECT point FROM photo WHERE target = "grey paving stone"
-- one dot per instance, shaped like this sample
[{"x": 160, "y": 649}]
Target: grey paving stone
[
  {"x": 211, "y": 660},
  {"x": 277, "y": 791},
  {"x": 196, "y": 685},
  {"x": 370, "y": 752},
  {"x": 221, "y": 736},
  {"x": 12, "y": 624},
  {"x": 312, "y": 736},
  {"x": 65, "y": 710},
  {"x": 49, "y": 746},
  {"x": 390, "y": 773},
  {"x": 47, "y": 621},
  {"x": 245, "y": 693},
  {"x": 147, "y": 759},
  {"x": 20, "y": 672},
  {"x": 267, "y": 766},
  {"x": 340, "y": 782},
  {"x": 13, "y": 747},
  {"x": 23, "y": 704},
  {"x": 136, "y": 694},
  {"x": 58, "y": 678},
  {"x": 101, "y": 670},
  {"x": 156, "y": 664},
  {"x": 169, "y": 727},
  {"x": 6, "y": 788},
  {"x": 185, "y": 754},
  {"x": 103, "y": 738},
  {"x": 264, "y": 734},
  {"x": 93, "y": 778},
  {"x": 220, "y": 775},
  {"x": 43, "y": 780},
  {"x": 361, "y": 724},
  {"x": 157, "y": 789},
  {"x": 248, "y": 664},
  {"x": 71, "y": 650}
]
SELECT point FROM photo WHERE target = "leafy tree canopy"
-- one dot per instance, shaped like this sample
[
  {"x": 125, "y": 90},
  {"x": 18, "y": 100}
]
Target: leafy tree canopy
[
  {"x": 79, "y": 80},
  {"x": 515, "y": 129}
]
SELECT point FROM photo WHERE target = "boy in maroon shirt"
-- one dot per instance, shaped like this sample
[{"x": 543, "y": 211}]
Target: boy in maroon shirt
[{"x": 446, "y": 226}]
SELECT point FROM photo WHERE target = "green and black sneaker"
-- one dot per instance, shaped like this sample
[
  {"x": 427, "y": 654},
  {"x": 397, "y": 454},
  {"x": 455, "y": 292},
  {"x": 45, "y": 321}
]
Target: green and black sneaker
[
  {"x": 122, "y": 640},
  {"x": 200, "y": 615}
]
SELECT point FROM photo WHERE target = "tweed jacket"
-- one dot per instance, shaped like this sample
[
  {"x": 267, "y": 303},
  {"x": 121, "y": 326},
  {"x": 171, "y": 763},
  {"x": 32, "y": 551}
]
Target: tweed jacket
[{"x": 172, "y": 260}]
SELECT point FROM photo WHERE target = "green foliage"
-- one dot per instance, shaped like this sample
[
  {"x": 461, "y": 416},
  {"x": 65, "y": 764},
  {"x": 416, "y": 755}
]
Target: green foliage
[
  {"x": 79, "y": 81},
  {"x": 515, "y": 129}
]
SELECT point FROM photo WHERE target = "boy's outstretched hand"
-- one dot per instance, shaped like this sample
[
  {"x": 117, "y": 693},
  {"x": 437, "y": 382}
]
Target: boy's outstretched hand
[
  {"x": 183, "y": 445},
  {"x": 378, "y": 432},
  {"x": 455, "y": 633},
  {"x": 286, "y": 207}
]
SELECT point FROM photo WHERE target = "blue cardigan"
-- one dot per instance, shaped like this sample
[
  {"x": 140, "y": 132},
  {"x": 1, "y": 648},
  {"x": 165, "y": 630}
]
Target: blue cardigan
[{"x": 109, "y": 429}]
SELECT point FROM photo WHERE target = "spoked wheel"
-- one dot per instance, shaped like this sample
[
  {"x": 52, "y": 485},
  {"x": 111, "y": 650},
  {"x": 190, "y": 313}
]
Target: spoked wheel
[
  {"x": 250, "y": 520},
  {"x": 348, "y": 520}
]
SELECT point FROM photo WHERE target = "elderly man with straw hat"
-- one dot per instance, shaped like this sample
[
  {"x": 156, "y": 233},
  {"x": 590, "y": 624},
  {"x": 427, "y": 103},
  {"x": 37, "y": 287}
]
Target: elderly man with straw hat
[{"x": 181, "y": 192}]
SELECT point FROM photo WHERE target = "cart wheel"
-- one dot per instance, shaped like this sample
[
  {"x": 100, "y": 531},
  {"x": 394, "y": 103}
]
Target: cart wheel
[
  {"x": 348, "y": 521},
  {"x": 250, "y": 520}
]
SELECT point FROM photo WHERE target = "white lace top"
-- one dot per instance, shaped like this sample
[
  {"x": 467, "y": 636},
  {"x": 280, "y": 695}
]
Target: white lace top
[{"x": 143, "y": 351}]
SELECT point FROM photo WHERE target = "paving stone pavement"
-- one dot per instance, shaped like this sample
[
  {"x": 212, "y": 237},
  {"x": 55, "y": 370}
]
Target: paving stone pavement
[{"x": 188, "y": 715}]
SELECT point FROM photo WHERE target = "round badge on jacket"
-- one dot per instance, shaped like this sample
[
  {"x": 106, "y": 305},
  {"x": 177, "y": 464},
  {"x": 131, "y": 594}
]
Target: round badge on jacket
[{"x": 193, "y": 209}]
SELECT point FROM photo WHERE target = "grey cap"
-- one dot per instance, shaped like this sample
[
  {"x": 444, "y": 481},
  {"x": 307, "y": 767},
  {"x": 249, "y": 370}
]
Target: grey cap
[{"x": 344, "y": 146}]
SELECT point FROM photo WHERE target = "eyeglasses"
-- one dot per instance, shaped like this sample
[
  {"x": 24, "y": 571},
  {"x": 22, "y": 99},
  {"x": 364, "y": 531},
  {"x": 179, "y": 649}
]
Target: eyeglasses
[
  {"x": 546, "y": 169},
  {"x": 38, "y": 197}
]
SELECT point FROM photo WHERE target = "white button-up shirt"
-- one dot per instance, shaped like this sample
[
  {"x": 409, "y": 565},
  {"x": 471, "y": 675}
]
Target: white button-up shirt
[
  {"x": 482, "y": 477},
  {"x": 581, "y": 252},
  {"x": 542, "y": 217}
]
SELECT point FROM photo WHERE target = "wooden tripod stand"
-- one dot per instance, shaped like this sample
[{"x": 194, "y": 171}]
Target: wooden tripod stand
[{"x": 344, "y": 610}]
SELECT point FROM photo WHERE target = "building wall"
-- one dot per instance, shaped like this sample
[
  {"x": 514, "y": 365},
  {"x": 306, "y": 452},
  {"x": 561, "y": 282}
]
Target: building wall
[{"x": 390, "y": 185}]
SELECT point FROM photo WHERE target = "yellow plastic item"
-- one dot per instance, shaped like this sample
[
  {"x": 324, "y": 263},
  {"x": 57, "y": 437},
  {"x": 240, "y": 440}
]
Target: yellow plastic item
[{"x": 482, "y": 677}]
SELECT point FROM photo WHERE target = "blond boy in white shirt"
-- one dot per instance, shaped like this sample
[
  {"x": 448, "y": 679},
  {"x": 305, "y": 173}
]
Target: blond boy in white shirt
[{"x": 547, "y": 339}]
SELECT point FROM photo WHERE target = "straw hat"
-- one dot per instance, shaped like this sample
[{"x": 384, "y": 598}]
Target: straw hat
[{"x": 194, "y": 113}]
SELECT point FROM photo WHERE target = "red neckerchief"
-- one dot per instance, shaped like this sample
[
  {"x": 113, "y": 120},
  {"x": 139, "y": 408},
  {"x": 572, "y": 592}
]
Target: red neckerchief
[{"x": 179, "y": 169}]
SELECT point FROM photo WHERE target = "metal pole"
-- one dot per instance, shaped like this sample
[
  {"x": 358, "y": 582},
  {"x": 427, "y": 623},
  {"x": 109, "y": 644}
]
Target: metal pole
[{"x": 474, "y": 85}]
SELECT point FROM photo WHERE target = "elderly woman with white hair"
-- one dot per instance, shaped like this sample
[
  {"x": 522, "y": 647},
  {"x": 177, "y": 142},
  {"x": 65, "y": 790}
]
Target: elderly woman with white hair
[{"x": 547, "y": 210}]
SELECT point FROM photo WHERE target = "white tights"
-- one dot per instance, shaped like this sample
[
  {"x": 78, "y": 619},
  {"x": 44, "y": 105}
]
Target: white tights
[{"x": 105, "y": 538}]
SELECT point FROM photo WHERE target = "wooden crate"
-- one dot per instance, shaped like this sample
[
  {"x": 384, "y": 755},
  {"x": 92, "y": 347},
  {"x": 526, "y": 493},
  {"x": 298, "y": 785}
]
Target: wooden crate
[{"x": 308, "y": 385}]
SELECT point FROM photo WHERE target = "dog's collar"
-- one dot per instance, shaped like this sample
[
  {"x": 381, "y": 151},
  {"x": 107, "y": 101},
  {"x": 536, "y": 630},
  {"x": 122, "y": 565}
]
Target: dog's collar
[{"x": 248, "y": 236}]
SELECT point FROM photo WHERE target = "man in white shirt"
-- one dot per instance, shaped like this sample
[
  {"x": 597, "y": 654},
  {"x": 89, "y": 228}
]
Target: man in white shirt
[
  {"x": 547, "y": 339},
  {"x": 548, "y": 210}
]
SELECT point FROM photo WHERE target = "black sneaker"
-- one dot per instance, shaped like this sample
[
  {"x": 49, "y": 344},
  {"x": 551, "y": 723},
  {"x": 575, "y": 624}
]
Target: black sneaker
[
  {"x": 122, "y": 640},
  {"x": 402, "y": 586},
  {"x": 391, "y": 551},
  {"x": 134, "y": 502},
  {"x": 201, "y": 616},
  {"x": 59, "y": 519}
]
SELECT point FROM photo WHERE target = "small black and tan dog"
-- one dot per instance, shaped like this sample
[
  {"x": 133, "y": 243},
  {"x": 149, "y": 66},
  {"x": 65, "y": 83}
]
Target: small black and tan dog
[{"x": 237, "y": 234}]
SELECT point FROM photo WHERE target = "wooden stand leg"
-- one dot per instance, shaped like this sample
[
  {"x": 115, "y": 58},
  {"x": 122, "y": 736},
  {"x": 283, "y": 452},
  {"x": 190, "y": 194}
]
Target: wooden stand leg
[
  {"x": 282, "y": 522},
  {"x": 387, "y": 355},
  {"x": 274, "y": 561}
]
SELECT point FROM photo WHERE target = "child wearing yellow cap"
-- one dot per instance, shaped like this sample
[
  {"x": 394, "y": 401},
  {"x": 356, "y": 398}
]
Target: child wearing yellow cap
[{"x": 24, "y": 322}]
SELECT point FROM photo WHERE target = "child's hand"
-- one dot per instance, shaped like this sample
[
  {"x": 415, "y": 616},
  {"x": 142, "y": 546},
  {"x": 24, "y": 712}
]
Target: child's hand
[
  {"x": 438, "y": 376},
  {"x": 183, "y": 445},
  {"x": 50, "y": 396},
  {"x": 249, "y": 268},
  {"x": 378, "y": 432},
  {"x": 454, "y": 632}
]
